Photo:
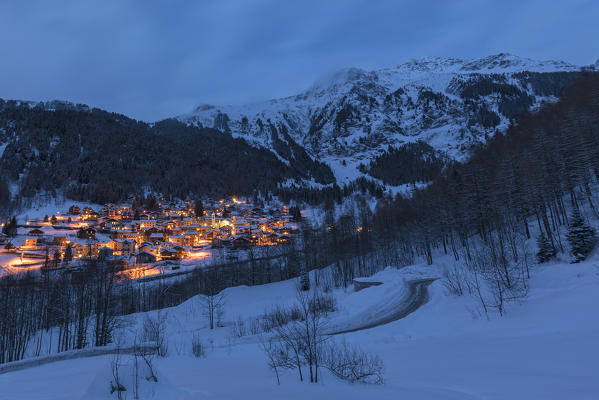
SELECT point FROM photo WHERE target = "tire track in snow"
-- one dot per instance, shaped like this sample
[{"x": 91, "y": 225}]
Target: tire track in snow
[{"x": 417, "y": 297}]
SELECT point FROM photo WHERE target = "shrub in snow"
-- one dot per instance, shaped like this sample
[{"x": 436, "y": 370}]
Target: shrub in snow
[
  {"x": 458, "y": 280},
  {"x": 581, "y": 236},
  {"x": 546, "y": 250},
  {"x": 353, "y": 364},
  {"x": 197, "y": 347},
  {"x": 323, "y": 303},
  {"x": 238, "y": 328}
]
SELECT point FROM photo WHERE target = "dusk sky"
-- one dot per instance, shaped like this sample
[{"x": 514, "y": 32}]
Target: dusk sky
[{"x": 155, "y": 59}]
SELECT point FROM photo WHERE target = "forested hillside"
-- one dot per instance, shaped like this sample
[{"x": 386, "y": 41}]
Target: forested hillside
[
  {"x": 413, "y": 162},
  {"x": 99, "y": 156},
  {"x": 538, "y": 170}
]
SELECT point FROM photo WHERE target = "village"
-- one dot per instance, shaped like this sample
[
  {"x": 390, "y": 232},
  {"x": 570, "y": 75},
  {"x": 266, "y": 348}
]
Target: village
[{"x": 141, "y": 242}]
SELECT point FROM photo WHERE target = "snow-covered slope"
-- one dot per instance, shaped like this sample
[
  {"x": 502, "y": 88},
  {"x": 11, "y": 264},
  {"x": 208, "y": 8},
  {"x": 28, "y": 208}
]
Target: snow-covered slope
[
  {"x": 543, "y": 348},
  {"x": 351, "y": 116}
]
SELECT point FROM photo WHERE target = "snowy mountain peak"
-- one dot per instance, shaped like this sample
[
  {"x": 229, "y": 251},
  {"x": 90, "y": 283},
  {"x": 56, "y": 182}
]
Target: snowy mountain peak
[
  {"x": 338, "y": 79},
  {"x": 349, "y": 117},
  {"x": 497, "y": 63},
  {"x": 430, "y": 64},
  {"x": 204, "y": 107},
  {"x": 510, "y": 62}
]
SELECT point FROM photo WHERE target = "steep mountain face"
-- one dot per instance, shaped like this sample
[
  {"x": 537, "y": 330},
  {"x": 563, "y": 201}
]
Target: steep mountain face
[
  {"x": 90, "y": 154},
  {"x": 349, "y": 119}
]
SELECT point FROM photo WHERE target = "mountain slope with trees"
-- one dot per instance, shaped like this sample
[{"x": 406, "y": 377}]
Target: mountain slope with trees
[
  {"x": 543, "y": 169},
  {"x": 94, "y": 155},
  {"x": 352, "y": 117}
]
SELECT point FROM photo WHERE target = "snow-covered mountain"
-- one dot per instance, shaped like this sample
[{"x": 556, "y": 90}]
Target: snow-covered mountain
[{"x": 352, "y": 116}]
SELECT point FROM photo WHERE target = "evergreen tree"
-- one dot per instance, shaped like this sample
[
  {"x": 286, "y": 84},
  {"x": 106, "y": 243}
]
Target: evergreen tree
[
  {"x": 151, "y": 203},
  {"x": 546, "y": 250},
  {"x": 4, "y": 192},
  {"x": 296, "y": 213},
  {"x": 305, "y": 279},
  {"x": 68, "y": 254},
  {"x": 56, "y": 259},
  {"x": 199, "y": 208},
  {"x": 47, "y": 259},
  {"x": 10, "y": 228},
  {"x": 581, "y": 236}
]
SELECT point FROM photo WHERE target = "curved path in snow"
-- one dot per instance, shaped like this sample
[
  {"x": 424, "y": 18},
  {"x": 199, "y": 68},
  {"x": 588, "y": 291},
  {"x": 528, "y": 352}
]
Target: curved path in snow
[
  {"x": 72, "y": 354},
  {"x": 417, "y": 296}
]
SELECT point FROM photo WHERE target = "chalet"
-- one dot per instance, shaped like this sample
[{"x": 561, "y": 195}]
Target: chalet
[
  {"x": 178, "y": 239},
  {"x": 74, "y": 210},
  {"x": 257, "y": 211},
  {"x": 187, "y": 221},
  {"x": 145, "y": 257},
  {"x": 145, "y": 224},
  {"x": 128, "y": 246},
  {"x": 219, "y": 242},
  {"x": 168, "y": 225},
  {"x": 123, "y": 234},
  {"x": 30, "y": 242},
  {"x": 226, "y": 229},
  {"x": 36, "y": 233},
  {"x": 154, "y": 215},
  {"x": 60, "y": 241},
  {"x": 177, "y": 231},
  {"x": 191, "y": 238},
  {"x": 119, "y": 246},
  {"x": 241, "y": 243},
  {"x": 181, "y": 251},
  {"x": 87, "y": 250},
  {"x": 157, "y": 237},
  {"x": 211, "y": 234},
  {"x": 109, "y": 211},
  {"x": 86, "y": 233},
  {"x": 111, "y": 224},
  {"x": 169, "y": 254},
  {"x": 88, "y": 214},
  {"x": 287, "y": 231},
  {"x": 148, "y": 247}
]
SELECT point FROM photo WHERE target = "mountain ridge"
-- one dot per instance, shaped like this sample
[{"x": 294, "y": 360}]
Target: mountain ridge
[{"x": 350, "y": 117}]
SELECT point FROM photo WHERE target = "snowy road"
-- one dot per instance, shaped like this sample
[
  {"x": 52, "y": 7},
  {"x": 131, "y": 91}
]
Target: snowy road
[
  {"x": 417, "y": 296},
  {"x": 72, "y": 354}
]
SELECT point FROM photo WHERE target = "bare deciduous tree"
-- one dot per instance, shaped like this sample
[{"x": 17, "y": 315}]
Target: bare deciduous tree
[{"x": 154, "y": 331}]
